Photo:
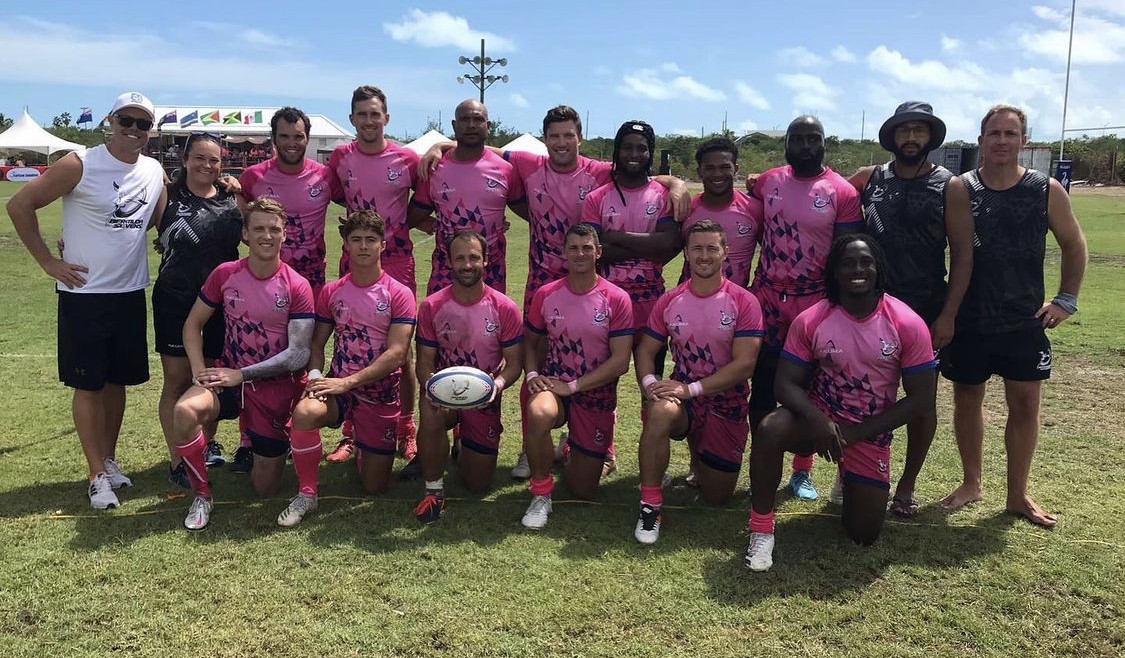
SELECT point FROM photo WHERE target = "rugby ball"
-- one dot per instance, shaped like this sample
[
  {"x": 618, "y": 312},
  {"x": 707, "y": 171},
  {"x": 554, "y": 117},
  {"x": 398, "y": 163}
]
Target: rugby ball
[{"x": 460, "y": 387}]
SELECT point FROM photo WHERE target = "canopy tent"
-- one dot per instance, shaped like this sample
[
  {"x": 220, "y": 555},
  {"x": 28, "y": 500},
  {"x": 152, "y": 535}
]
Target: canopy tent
[
  {"x": 26, "y": 135},
  {"x": 527, "y": 142},
  {"x": 423, "y": 143}
]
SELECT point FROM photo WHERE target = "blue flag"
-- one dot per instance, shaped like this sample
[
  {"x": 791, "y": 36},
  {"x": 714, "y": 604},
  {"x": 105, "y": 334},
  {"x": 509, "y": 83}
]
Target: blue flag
[
  {"x": 167, "y": 118},
  {"x": 87, "y": 116},
  {"x": 189, "y": 119}
]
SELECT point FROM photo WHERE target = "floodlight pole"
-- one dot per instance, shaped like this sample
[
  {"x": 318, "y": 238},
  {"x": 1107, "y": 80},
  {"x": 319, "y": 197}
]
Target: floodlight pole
[
  {"x": 1066, "y": 88},
  {"x": 480, "y": 66}
]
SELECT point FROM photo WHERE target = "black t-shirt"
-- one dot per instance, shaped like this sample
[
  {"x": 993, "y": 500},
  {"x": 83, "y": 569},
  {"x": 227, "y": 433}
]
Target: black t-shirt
[
  {"x": 197, "y": 235},
  {"x": 907, "y": 217},
  {"x": 1006, "y": 290}
]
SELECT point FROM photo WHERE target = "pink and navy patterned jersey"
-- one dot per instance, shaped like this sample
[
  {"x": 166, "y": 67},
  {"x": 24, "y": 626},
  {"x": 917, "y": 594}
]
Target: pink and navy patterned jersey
[
  {"x": 702, "y": 332},
  {"x": 800, "y": 216},
  {"x": 305, "y": 197},
  {"x": 858, "y": 362},
  {"x": 642, "y": 211},
  {"x": 256, "y": 312},
  {"x": 554, "y": 201},
  {"x": 578, "y": 328},
  {"x": 381, "y": 182},
  {"x": 742, "y": 222},
  {"x": 470, "y": 195},
  {"x": 361, "y": 318},
  {"x": 469, "y": 334}
]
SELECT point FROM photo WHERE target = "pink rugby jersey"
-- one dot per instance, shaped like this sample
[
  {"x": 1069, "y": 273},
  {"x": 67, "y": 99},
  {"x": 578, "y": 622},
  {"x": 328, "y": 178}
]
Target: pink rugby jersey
[
  {"x": 742, "y": 222},
  {"x": 470, "y": 195},
  {"x": 554, "y": 202},
  {"x": 305, "y": 197},
  {"x": 578, "y": 328},
  {"x": 642, "y": 211},
  {"x": 469, "y": 334},
  {"x": 800, "y": 216},
  {"x": 858, "y": 362},
  {"x": 361, "y": 318},
  {"x": 256, "y": 312},
  {"x": 379, "y": 182},
  {"x": 702, "y": 332}
]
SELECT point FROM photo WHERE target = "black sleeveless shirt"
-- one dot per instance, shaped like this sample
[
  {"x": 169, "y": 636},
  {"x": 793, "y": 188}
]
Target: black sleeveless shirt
[
  {"x": 197, "y": 236},
  {"x": 907, "y": 217},
  {"x": 1006, "y": 290}
]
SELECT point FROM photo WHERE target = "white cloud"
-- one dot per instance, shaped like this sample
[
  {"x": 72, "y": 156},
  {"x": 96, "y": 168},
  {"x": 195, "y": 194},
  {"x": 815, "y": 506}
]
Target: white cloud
[
  {"x": 1050, "y": 14},
  {"x": 256, "y": 37},
  {"x": 519, "y": 101},
  {"x": 928, "y": 74},
  {"x": 800, "y": 57},
  {"x": 842, "y": 54},
  {"x": 750, "y": 96},
  {"x": 438, "y": 29},
  {"x": 1096, "y": 40},
  {"x": 745, "y": 127},
  {"x": 950, "y": 44},
  {"x": 667, "y": 82},
  {"x": 810, "y": 93}
]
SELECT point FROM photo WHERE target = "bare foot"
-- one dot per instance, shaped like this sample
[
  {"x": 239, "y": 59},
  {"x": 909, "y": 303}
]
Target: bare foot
[
  {"x": 1032, "y": 512},
  {"x": 961, "y": 496}
]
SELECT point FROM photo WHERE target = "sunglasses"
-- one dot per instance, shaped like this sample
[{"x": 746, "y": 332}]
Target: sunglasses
[{"x": 127, "y": 122}]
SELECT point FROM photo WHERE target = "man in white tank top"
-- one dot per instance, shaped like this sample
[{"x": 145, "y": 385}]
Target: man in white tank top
[{"x": 111, "y": 195}]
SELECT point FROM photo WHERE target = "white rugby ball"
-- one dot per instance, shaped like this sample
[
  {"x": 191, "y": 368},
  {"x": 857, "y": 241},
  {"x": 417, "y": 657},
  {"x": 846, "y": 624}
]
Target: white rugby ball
[{"x": 460, "y": 387}]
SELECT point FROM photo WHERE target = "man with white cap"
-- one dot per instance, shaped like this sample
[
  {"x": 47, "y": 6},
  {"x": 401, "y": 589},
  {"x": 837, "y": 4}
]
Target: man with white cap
[{"x": 111, "y": 196}]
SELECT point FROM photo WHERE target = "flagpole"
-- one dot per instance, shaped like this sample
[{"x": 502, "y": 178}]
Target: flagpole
[{"x": 1066, "y": 88}]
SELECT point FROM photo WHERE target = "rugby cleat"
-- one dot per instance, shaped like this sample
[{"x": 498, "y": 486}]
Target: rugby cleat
[
  {"x": 648, "y": 525},
  {"x": 101, "y": 493}
]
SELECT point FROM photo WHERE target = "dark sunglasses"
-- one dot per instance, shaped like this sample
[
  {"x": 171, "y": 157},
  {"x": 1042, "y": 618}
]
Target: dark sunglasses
[
  {"x": 127, "y": 122},
  {"x": 200, "y": 134}
]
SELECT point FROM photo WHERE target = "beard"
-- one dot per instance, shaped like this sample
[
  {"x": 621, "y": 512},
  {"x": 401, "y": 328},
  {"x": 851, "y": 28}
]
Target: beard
[
  {"x": 810, "y": 164},
  {"x": 910, "y": 160}
]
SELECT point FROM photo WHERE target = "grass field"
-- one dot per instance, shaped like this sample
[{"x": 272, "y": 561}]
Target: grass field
[{"x": 363, "y": 578}]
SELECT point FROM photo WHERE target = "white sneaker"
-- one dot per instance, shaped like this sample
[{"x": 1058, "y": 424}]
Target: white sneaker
[
  {"x": 836, "y": 497},
  {"x": 117, "y": 479},
  {"x": 199, "y": 514},
  {"x": 648, "y": 525},
  {"x": 522, "y": 470},
  {"x": 560, "y": 446},
  {"x": 101, "y": 493},
  {"x": 299, "y": 506},
  {"x": 759, "y": 555},
  {"x": 535, "y": 518}
]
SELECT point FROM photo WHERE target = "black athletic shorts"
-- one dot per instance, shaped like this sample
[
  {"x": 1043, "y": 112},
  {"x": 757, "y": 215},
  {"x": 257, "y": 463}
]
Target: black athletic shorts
[
  {"x": 762, "y": 398},
  {"x": 102, "y": 337},
  {"x": 1022, "y": 356},
  {"x": 169, "y": 311}
]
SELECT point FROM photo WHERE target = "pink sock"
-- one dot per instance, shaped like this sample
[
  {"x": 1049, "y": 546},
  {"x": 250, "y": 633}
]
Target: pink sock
[
  {"x": 306, "y": 459},
  {"x": 194, "y": 456},
  {"x": 652, "y": 496},
  {"x": 542, "y": 487},
  {"x": 803, "y": 463},
  {"x": 761, "y": 522}
]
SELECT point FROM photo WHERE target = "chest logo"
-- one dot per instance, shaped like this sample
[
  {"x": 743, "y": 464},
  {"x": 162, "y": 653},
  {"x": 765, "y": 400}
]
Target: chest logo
[
  {"x": 280, "y": 302},
  {"x": 493, "y": 183},
  {"x": 725, "y": 319},
  {"x": 315, "y": 190},
  {"x": 743, "y": 229},
  {"x": 125, "y": 206},
  {"x": 820, "y": 201},
  {"x": 887, "y": 349},
  {"x": 583, "y": 190},
  {"x": 393, "y": 174},
  {"x": 490, "y": 327},
  {"x": 651, "y": 208}
]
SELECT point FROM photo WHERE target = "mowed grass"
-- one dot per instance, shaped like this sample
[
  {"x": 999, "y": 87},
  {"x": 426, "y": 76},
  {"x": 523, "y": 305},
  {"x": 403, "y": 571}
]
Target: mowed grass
[{"x": 363, "y": 578}]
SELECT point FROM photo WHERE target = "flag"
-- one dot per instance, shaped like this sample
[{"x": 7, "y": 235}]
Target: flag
[
  {"x": 167, "y": 118},
  {"x": 210, "y": 117},
  {"x": 87, "y": 116},
  {"x": 189, "y": 119},
  {"x": 252, "y": 116},
  {"x": 233, "y": 117}
]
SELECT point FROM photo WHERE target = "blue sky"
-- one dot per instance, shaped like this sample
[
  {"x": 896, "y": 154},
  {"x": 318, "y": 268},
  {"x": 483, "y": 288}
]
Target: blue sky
[{"x": 681, "y": 66}]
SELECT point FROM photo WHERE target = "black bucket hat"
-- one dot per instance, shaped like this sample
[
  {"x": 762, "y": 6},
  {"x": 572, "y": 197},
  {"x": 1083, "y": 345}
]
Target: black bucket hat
[{"x": 912, "y": 111}]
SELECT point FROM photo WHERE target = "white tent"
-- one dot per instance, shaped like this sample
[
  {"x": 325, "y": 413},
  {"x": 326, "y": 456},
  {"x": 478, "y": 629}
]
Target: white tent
[
  {"x": 26, "y": 135},
  {"x": 527, "y": 142},
  {"x": 423, "y": 143}
]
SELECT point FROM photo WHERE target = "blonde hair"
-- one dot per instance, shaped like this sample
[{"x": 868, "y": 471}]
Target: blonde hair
[
  {"x": 268, "y": 206},
  {"x": 1000, "y": 109}
]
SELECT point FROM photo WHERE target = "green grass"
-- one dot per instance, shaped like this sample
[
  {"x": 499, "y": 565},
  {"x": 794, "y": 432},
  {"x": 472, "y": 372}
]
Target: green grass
[{"x": 362, "y": 578}]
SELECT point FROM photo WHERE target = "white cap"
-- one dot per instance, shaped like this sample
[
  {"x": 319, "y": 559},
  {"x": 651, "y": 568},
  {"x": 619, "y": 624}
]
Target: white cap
[{"x": 134, "y": 99}]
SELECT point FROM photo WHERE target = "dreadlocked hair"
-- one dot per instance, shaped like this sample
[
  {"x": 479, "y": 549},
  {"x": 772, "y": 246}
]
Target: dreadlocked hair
[
  {"x": 836, "y": 254},
  {"x": 632, "y": 127}
]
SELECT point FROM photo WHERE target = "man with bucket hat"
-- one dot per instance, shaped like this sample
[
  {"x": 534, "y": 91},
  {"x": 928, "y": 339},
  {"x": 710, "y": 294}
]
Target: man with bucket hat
[{"x": 913, "y": 208}]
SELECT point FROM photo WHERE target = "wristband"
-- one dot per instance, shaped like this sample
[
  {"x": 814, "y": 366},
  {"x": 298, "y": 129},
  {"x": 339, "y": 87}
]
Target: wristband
[
  {"x": 573, "y": 386},
  {"x": 530, "y": 375},
  {"x": 499, "y": 382},
  {"x": 695, "y": 389},
  {"x": 315, "y": 374},
  {"x": 1066, "y": 302},
  {"x": 648, "y": 380}
]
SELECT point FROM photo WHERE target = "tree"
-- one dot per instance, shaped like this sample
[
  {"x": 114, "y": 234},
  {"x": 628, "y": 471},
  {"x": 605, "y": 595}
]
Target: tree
[
  {"x": 62, "y": 120},
  {"x": 5, "y": 122},
  {"x": 499, "y": 134}
]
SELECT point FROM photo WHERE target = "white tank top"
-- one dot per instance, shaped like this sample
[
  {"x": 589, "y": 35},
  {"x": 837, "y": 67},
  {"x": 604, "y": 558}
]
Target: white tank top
[{"x": 105, "y": 217}]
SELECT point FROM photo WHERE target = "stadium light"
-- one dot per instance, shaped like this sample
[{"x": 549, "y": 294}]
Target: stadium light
[{"x": 481, "y": 65}]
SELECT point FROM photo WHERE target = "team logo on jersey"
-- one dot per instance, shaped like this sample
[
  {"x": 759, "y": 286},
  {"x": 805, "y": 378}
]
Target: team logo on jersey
[
  {"x": 280, "y": 302},
  {"x": 583, "y": 190},
  {"x": 1044, "y": 361},
  {"x": 830, "y": 348},
  {"x": 677, "y": 323},
  {"x": 393, "y": 174},
  {"x": 887, "y": 349},
  {"x": 493, "y": 183},
  {"x": 381, "y": 306},
  {"x": 743, "y": 229},
  {"x": 492, "y": 436},
  {"x": 882, "y": 466},
  {"x": 600, "y": 316},
  {"x": 725, "y": 320},
  {"x": 555, "y": 317},
  {"x": 390, "y": 434},
  {"x": 651, "y": 208},
  {"x": 315, "y": 190},
  {"x": 231, "y": 299},
  {"x": 339, "y": 308},
  {"x": 599, "y": 436},
  {"x": 877, "y": 193},
  {"x": 820, "y": 202},
  {"x": 490, "y": 327},
  {"x": 125, "y": 206},
  {"x": 446, "y": 332}
]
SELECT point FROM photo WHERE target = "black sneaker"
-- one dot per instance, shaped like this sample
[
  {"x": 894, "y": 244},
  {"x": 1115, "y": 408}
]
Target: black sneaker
[
  {"x": 412, "y": 470},
  {"x": 178, "y": 476},
  {"x": 215, "y": 454},
  {"x": 243, "y": 460},
  {"x": 428, "y": 510}
]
